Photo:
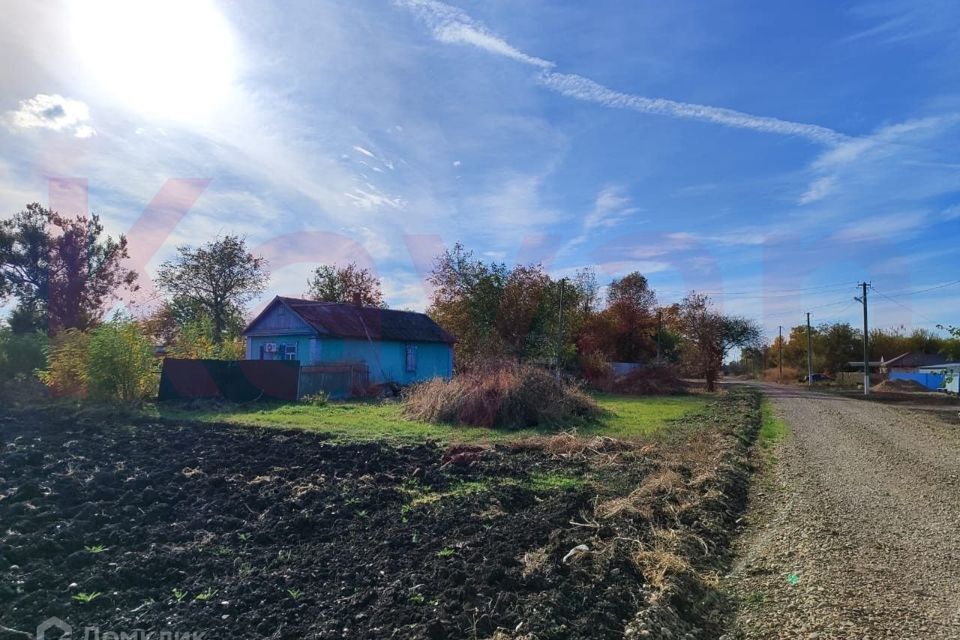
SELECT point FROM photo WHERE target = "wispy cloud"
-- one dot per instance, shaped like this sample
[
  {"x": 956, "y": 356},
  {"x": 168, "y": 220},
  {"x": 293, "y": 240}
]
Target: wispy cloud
[
  {"x": 818, "y": 190},
  {"x": 574, "y": 86},
  {"x": 452, "y": 25},
  {"x": 884, "y": 227},
  {"x": 52, "y": 112},
  {"x": 611, "y": 206}
]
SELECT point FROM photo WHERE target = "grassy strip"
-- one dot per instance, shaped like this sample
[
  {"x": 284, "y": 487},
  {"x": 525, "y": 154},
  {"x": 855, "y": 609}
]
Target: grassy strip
[
  {"x": 772, "y": 428},
  {"x": 624, "y": 417}
]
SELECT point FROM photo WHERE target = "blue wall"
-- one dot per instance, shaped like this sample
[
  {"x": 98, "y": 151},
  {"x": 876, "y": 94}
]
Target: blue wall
[
  {"x": 386, "y": 360},
  {"x": 929, "y": 380}
]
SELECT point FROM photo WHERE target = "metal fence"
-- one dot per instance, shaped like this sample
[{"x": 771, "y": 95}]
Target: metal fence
[
  {"x": 932, "y": 381},
  {"x": 339, "y": 380},
  {"x": 235, "y": 380}
]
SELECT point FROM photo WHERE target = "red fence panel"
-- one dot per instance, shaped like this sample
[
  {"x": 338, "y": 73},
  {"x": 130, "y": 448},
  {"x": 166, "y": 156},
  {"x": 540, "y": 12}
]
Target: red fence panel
[{"x": 235, "y": 380}]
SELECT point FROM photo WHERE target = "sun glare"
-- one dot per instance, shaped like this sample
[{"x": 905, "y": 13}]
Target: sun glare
[{"x": 173, "y": 59}]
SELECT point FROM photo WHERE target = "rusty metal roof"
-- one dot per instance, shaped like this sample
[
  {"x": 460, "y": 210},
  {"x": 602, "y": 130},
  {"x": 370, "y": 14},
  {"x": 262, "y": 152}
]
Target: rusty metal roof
[{"x": 344, "y": 320}]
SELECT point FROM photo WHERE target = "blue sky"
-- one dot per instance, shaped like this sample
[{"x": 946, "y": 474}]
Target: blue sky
[{"x": 772, "y": 155}]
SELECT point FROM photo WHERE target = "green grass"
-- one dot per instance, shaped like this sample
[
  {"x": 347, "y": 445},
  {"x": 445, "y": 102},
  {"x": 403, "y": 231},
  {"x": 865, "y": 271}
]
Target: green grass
[
  {"x": 624, "y": 417},
  {"x": 772, "y": 428}
]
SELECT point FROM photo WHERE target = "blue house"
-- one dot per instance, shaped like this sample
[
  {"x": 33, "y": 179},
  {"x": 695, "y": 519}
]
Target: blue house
[{"x": 329, "y": 339}]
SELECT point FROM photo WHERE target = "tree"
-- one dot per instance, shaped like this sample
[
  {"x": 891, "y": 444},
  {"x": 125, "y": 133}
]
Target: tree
[
  {"x": 520, "y": 321},
  {"x": 514, "y": 313},
  {"x": 708, "y": 336},
  {"x": 626, "y": 330},
  {"x": 219, "y": 278},
  {"x": 62, "y": 271},
  {"x": 632, "y": 291},
  {"x": 836, "y": 346},
  {"x": 466, "y": 301},
  {"x": 331, "y": 283}
]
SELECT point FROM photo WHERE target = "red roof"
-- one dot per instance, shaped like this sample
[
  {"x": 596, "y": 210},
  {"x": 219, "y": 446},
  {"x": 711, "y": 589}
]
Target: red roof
[{"x": 343, "y": 320}]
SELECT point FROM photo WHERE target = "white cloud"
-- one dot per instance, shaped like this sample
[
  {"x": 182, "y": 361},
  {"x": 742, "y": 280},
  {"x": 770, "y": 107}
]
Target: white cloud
[
  {"x": 951, "y": 213},
  {"x": 818, "y": 190},
  {"x": 364, "y": 151},
  {"x": 611, "y": 207},
  {"x": 453, "y": 26},
  {"x": 52, "y": 112},
  {"x": 886, "y": 227},
  {"x": 574, "y": 86},
  {"x": 456, "y": 163},
  {"x": 885, "y": 172}
]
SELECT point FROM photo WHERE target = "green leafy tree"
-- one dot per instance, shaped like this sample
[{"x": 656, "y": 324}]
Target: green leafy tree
[
  {"x": 837, "y": 345},
  {"x": 466, "y": 301},
  {"x": 62, "y": 271},
  {"x": 331, "y": 283},
  {"x": 218, "y": 279}
]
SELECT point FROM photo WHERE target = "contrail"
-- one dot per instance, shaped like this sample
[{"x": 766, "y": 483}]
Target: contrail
[{"x": 453, "y": 26}]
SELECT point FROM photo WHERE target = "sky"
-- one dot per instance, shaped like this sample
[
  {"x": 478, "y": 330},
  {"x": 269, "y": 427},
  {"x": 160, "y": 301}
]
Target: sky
[{"x": 772, "y": 155}]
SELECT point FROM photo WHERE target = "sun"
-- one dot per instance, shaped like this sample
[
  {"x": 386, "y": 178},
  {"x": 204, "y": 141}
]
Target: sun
[{"x": 174, "y": 59}]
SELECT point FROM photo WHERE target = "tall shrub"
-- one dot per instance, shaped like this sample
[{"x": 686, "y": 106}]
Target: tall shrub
[
  {"x": 21, "y": 355},
  {"x": 195, "y": 341},
  {"x": 67, "y": 357},
  {"x": 121, "y": 366}
]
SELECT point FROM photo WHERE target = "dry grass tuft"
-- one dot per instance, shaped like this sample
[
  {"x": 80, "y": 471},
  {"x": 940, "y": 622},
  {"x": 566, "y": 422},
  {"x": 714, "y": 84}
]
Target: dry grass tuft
[
  {"x": 665, "y": 482},
  {"x": 658, "y": 565},
  {"x": 534, "y": 561}
]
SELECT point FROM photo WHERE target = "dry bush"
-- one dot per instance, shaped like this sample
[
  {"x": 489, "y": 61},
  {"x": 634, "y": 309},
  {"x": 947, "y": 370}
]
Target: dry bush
[{"x": 506, "y": 396}]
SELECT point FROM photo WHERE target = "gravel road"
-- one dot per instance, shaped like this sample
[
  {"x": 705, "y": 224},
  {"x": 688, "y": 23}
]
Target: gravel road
[{"x": 854, "y": 532}]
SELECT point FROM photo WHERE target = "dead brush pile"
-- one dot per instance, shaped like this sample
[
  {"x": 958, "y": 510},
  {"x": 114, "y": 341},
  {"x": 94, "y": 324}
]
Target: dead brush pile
[{"x": 503, "y": 396}]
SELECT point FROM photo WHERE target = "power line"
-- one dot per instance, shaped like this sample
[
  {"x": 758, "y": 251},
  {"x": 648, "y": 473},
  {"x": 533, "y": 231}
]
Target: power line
[
  {"x": 766, "y": 293},
  {"x": 896, "y": 302},
  {"x": 907, "y": 292}
]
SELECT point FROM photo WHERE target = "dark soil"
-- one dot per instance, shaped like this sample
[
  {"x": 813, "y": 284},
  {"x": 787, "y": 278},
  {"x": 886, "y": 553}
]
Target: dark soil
[{"x": 253, "y": 533}]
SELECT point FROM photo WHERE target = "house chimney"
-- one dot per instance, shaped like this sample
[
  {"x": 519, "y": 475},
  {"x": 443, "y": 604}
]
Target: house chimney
[{"x": 356, "y": 299}]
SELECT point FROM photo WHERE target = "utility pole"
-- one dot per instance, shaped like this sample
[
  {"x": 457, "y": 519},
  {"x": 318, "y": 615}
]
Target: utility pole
[
  {"x": 780, "y": 357},
  {"x": 659, "y": 330},
  {"x": 560, "y": 325},
  {"x": 809, "y": 354},
  {"x": 866, "y": 338}
]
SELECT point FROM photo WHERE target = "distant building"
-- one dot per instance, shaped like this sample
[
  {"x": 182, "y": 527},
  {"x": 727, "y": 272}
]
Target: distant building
[
  {"x": 390, "y": 346},
  {"x": 905, "y": 362}
]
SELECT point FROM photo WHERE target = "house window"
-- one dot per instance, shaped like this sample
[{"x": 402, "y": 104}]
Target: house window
[
  {"x": 290, "y": 352},
  {"x": 411, "y": 358}
]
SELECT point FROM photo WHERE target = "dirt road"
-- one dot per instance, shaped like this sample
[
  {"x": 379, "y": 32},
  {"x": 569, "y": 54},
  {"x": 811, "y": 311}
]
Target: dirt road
[{"x": 855, "y": 530}]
